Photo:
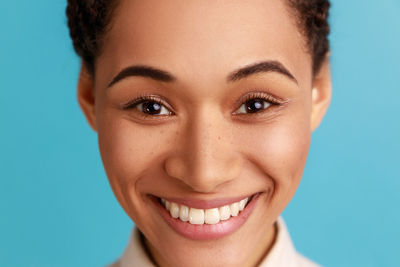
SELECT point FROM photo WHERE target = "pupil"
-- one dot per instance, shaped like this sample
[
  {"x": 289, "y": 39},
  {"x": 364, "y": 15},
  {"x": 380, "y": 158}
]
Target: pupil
[
  {"x": 151, "y": 107},
  {"x": 254, "y": 105}
]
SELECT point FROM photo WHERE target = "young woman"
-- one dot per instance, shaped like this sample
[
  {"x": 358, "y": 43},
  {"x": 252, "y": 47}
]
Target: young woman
[{"x": 204, "y": 112}]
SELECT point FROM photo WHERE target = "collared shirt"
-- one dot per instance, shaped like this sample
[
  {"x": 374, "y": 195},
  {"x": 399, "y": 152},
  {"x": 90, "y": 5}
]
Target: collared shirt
[{"x": 282, "y": 254}]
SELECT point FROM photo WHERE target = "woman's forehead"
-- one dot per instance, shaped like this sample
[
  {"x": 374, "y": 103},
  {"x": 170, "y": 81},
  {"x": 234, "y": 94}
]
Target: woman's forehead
[{"x": 206, "y": 38}]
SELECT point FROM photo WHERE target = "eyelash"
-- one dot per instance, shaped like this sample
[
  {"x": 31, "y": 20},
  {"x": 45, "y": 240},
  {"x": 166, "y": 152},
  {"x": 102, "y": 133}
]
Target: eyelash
[
  {"x": 147, "y": 98},
  {"x": 270, "y": 99}
]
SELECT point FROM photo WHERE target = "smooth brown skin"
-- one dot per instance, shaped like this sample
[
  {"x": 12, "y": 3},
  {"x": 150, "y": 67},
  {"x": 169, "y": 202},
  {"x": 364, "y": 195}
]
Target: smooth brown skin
[{"x": 205, "y": 150}]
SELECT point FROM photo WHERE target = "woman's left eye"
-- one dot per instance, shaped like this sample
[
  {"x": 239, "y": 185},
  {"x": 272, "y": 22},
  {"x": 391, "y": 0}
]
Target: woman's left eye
[{"x": 253, "y": 106}]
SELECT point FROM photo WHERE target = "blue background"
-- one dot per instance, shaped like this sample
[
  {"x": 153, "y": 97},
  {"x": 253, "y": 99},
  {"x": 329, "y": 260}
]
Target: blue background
[{"x": 57, "y": 209}]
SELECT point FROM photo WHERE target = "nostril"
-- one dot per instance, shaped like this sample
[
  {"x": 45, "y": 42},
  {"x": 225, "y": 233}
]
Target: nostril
[
  {"x": 175, "y": 167},
  {"x": 204, "y": 174}
]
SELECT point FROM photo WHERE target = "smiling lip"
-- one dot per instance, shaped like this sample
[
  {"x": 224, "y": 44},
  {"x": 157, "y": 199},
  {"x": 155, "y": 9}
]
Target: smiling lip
[
  {"x": 206, "y": 204},
  {"x": 206, "y": 231}
]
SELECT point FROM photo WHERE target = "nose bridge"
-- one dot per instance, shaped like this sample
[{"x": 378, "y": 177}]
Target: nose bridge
[
  {"x": 211, "y": 155},
  {"x": 208, "y": 157},
  {"x": 208, "y": 143}
]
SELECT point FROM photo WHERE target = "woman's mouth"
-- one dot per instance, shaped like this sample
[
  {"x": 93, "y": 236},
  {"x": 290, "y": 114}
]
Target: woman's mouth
[
  {"x": 201, "y": 219},
  {"x": 204, "y": 216}
]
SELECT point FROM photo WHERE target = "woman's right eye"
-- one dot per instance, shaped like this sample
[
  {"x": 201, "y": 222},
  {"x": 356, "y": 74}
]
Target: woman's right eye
[
  {"x": 148, "y": 106},
  {"x": 152, "y": 108}
]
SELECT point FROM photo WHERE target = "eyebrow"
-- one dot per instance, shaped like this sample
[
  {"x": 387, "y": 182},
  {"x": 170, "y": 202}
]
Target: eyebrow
[
  {"x": 143, "y": 71},
  {"x": 264, "y": 66},
  {"x": 165, "y": 76}
]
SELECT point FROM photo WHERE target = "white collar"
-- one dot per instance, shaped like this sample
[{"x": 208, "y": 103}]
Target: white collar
[{"x": 282, "y": 254}]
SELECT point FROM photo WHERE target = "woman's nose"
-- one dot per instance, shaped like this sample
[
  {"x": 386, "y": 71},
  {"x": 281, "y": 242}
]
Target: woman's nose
[{"x": 205, "y": 156}]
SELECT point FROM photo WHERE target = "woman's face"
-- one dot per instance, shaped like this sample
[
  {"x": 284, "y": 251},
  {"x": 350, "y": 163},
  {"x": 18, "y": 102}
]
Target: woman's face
[{"x": 203, "y": 103}]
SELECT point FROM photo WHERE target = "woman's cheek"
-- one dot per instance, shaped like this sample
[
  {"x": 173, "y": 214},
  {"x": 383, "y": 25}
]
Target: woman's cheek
[
  {"x": 280, "y": 150},
  {"x": 128, "y": 150}
]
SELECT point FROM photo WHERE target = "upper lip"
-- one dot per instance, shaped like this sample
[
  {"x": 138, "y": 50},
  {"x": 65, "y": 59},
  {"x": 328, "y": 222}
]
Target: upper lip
[{"x": 206, "y": 203}]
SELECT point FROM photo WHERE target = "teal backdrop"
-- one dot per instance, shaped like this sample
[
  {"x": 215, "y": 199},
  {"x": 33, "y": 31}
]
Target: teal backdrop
[{"x": 57, "y": 209}]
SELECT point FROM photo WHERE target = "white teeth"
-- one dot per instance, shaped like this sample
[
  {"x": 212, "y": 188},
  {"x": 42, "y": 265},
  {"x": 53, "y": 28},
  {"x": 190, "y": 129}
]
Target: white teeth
[
  {"x": 167, "y": 204},
  {"x": 224, "y": 213},
  {"x": 174, "y": 210},
  {"x": 184, "y": 213},
  {"x": 242, "y": 203},
  {"x": 196, "y": 216},
  {"x": 234, "y": 209},
  {"x": 201, "y": 216},
  {"x": 211, "y": 216}
]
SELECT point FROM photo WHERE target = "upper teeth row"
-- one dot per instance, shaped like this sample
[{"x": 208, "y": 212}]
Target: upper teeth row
[{"x": 201, "y": 216}]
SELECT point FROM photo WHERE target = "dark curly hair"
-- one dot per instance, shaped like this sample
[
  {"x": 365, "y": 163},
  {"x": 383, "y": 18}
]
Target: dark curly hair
[{"x": 89, "y": 20}]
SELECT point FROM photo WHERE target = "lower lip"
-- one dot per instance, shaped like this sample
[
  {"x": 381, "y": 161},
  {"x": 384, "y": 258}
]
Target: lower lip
[{"x": 207, "y": 231}]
